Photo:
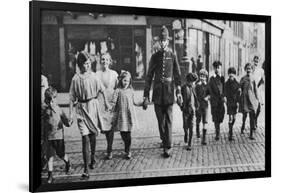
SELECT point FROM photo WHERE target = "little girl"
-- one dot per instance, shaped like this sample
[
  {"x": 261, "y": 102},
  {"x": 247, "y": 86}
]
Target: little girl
[
  {"x": 249, "y": 98},
  {"x": 124, "y": 111}
]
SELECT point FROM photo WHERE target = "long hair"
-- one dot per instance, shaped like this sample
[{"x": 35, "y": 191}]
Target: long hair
[
  {"x": 82, "y": 58},
  {"x": 122, "y": 75}
]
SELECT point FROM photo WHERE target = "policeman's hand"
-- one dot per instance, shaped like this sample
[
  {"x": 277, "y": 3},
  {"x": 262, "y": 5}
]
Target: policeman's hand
[{"x": 145, "y": 103}]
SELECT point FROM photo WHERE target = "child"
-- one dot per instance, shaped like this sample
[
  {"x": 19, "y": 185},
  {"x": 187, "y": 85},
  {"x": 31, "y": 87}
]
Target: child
[
  {"x": 125, "y": 117},
  {"x": 54, "y": 119},
  {"x": 44, "y": 86},
  {"x": 216, "y": 93},
  {"x": 232, "y": 92},
  {"x": 84, "y": 89},
  {"x": 202, "y": 112},
  {"x": 109, "y": 79},
  {"x": 188, "y": 108},
  {"x": 249, "y": 98}
]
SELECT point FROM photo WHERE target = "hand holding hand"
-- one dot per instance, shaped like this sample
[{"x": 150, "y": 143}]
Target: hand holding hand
[
  {"x": 145, "y": 103},
  {"x": 179, "y": 99}
]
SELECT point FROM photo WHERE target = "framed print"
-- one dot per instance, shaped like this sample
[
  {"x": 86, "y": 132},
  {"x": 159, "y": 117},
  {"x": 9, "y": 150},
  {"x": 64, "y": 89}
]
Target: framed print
[{"x": 139, "y": 96}]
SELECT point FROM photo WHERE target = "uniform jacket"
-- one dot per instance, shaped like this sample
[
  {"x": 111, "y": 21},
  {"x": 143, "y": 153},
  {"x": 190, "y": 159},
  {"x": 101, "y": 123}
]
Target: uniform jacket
[
  {"x": 187, "y": 106},
  {"x": 201, "y": 90},
  {"x": 216, "y": 90},
  {"x": 165, "y": 70}
]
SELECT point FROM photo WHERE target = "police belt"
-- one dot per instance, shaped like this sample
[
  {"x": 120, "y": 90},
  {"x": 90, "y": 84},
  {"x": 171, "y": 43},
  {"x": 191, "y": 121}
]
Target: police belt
[
  {"x": 164, "y": 80},
  {"x": 86, "y": 100}
]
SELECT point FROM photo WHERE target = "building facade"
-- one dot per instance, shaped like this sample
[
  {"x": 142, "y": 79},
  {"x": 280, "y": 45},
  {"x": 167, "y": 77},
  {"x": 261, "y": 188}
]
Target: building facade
[{"x": 132, "y": 39}]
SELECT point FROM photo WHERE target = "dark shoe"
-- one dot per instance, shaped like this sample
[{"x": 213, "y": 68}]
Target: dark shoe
[
  {"x": 50, "y": 179},
  {"x": 251, "y": 138},
  {"x": 109, "y": 156},
  {"x": 188, "y": 148},
  {"x": 185, "y": 138},
  {"x": 167, "y": 153},
  {"x": 217, "y": 138},
  {"x": 85, "y": 176},
  {"x": 128, "y": 156},
  {"x": 231, "y": 138}
]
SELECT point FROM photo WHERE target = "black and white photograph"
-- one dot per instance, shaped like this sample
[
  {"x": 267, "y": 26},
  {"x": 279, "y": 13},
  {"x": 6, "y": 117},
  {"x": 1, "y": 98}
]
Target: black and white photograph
[{"x": 133, "y": 96}]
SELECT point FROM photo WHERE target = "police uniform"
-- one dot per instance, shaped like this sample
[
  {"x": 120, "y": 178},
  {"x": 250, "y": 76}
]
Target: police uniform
[{"x": 165, "y": 70}]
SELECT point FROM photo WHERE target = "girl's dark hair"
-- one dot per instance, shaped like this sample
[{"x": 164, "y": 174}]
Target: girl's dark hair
[
  {"x": 231, "y": 70},
  {"x": 247, "y": 65},
  {"x": 50, "y": 93},
  {"x": 122, "y": 75},
  {"x": 81, "y": 59}
]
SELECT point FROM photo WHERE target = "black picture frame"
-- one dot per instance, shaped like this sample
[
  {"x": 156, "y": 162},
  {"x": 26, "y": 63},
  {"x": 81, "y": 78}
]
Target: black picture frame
[{"x": 36, "y": 8}]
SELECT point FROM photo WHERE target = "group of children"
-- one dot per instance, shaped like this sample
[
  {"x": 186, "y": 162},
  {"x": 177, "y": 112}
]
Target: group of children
[
  {"x": 84, "y": 92},
  {"x": 197, "y": 93},
  {"x": 86, "y": 87}
]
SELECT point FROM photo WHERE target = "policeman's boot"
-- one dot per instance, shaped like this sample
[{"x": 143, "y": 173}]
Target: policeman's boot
[
  {"x": 230, "y": 134},
  {"x": 198, "y": 131},
  {"x": 204, "y": 137},
  {"x": 217, "y": 127}
]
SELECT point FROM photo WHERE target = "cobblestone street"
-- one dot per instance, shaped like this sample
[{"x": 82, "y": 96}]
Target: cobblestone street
[{"x": 220, "y": 156}]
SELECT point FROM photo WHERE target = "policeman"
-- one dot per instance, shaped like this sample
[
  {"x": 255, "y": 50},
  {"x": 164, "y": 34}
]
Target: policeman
[{"x": 165, "y": 70}]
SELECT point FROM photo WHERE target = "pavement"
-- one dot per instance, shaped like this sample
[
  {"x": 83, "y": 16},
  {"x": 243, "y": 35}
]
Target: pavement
[{"x": 220, "y": 156}]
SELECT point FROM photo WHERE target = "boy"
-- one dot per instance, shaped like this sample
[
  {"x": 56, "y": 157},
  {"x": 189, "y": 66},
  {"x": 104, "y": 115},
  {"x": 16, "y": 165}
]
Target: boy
[
  {"x": 232, "y": 92},
  {"x": 216, "y": 93},
  {"x": 188, "y": 108},
  {"x": 202, "y": 112},
  {"x": 53, "y": 121}
]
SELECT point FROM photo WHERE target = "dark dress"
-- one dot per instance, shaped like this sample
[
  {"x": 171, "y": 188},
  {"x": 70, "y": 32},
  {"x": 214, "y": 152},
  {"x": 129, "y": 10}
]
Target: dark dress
[
  {"x": 231, "y": 91},
  {"x": 216, "y": 92}
]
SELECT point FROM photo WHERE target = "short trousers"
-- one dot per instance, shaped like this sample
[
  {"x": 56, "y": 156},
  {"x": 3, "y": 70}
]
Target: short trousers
[
  {"x": 202, "y": 114},
  {"x": 56, "y": 147}
]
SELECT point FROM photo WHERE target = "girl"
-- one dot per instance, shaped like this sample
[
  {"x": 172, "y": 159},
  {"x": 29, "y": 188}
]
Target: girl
[
  {"x": 125, "y": 116},
  {"x": 84, "y": 89},
  {"x": 249, "y": 98},
  {"x": 109, "y": 79}
]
